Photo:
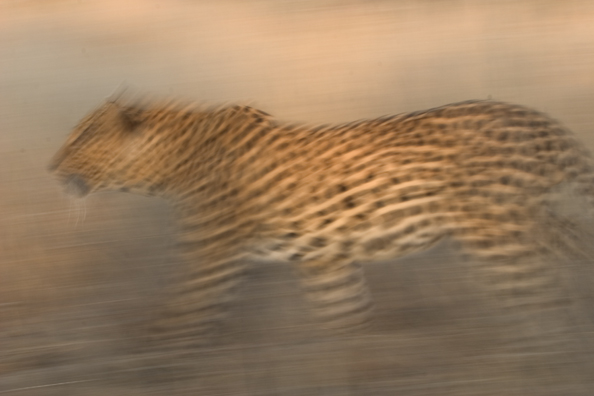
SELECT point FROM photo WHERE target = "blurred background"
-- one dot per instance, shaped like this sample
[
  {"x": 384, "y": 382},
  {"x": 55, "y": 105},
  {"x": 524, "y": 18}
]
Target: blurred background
[{"x": 74, "y": 274}]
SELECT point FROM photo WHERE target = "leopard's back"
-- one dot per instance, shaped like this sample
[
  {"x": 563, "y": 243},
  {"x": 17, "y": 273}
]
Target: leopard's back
[{"x": 387, "y": 187}]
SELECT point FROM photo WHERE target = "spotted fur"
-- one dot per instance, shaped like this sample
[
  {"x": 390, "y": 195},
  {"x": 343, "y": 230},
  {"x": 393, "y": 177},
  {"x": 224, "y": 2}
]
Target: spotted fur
[{"x": 328, "y": 197}]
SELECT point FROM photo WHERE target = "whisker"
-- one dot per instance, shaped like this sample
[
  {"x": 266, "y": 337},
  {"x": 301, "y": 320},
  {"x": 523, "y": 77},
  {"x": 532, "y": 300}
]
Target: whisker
[{"x": 80, "y": 206}]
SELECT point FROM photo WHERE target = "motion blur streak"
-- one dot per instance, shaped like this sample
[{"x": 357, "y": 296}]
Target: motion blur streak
[{"x": 76, "y": 280}]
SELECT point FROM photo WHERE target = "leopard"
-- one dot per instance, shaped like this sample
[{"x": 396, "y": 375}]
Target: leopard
[{"x": 329, "y": 198}]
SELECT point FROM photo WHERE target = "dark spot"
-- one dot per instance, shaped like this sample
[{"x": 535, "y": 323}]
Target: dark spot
[
  {"x": 319, "y": 128},
  {"x": 480, "y": 183},
  {"x": 563, "y": 145},
  {"x": 529, "y": 167},
  {"x": 425, "y": 223},
  {"x": 342, "y": 228},
  {"x": 277, "y": 247},
  {"x": 283, "y": 146},
  {"x": 380, "y": 204},
  {"x": 318, "y": 242},
  {"x": 410, "y": 229},
  {"x": 296, "y": 257},
  {"x": 364, "y": 225},
  {"x": 499, "y": 199},
  {"x": 472, "y": 192},
  {"x": 526, "y": 150},
  {"x": 484, "y": 244},
  {"x": 348, "y": 202},
  {"x": 342, "y": 188},
  {"x": 347, "y": 244},
  {"x": 326, "y": 222},
  {"x": 374, "y": 245},
  {"x": 503, "y": 136},
  {"x": 395, "y": 180},
  {"x": 394, "y": 215},
  {"x": 291, "y": 235},
  {"x": 534, "y": 124},
  {"x": 487, "y": 216}
]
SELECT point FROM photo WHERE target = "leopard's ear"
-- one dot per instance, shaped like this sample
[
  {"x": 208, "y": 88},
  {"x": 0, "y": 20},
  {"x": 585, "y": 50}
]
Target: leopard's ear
[{"x": 131, "y": 117}]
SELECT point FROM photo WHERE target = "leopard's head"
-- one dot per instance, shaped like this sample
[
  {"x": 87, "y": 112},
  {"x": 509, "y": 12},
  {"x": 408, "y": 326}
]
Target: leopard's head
[{"x": 108, "y": 150}]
